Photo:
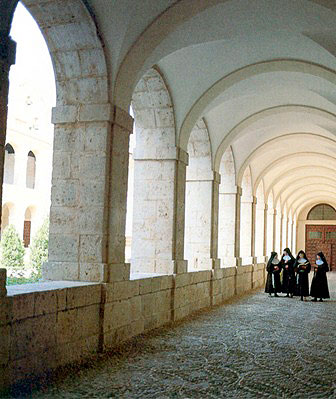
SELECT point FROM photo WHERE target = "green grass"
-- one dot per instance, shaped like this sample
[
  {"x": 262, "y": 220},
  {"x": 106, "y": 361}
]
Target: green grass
[{"x": 21, "y": 280}]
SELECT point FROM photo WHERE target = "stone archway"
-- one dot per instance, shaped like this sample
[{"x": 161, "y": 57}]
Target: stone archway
[
  {"x": 159, "y": 180},
  {"x": 90, "y": 148}
]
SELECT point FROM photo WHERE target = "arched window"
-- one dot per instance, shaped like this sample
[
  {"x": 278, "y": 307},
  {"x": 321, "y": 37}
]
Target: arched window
[
  {"x": 31, "y": 167},
  {"x": 322, "y": 212},
  {"x": 9, "y": 164}
]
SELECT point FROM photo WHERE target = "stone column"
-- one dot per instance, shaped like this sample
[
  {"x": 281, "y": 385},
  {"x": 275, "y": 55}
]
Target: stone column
[
  {"x": 265, "y": 254},
  {"x": 7, "y": 58},
  {"x": 281, "y": 218},
  {"x": 214, "y": 221},
  {"x": 274, "y": 230},
  {"x": 229, "y": 227},
  {"x": 88, "y": 195},
  {"x": 247, "y": 227},
  {"x": 159, "y": 211},
  {"x": 261, "y": 231},
  {"x": 253, "y": 228},
  {"x": 199, "y": 219}
]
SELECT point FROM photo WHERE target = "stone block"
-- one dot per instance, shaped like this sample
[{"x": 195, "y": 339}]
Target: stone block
[
  {"x": 116, "y": 314},
  {"x": 4, "y": 345},
  {"x": 66, "y": 328},
  {"x": 118, "y": 272},
  {"x": 83, "y": 296},
  {"x": 93, "y": 272},
  {"x": 182, "y": 279},
  {"x": 45, "y": 302},
  {"x": 95, "y": 112},
  {"x": 29, "y": 337},
  {"x": 63, "y": 248},
  {"x": 3, "y": 279},
  {"x": 166, "y": 282},
  {"x": 60, "y": 270},
  {"x": 64, "y": 114},
  {"x": 23, "y": 306},
  {"x": 145, "y": 286},
  {"x": 148, "y": 305},
  {"x": 88, "y": 320},
  {"x": 6, "y": 304}
]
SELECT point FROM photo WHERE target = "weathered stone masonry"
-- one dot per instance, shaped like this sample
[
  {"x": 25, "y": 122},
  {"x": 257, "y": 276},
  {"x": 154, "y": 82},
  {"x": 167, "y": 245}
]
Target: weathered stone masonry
[{"x": 85, "y": 318}]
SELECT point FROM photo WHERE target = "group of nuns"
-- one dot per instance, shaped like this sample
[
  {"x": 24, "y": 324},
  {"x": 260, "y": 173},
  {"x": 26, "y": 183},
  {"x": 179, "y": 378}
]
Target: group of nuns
[{"x": 294, "y": 273}]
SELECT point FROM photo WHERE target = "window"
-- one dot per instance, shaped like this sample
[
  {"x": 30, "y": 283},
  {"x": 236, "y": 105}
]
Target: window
[
  {"x": 31, "y": 167},
  {"x": 315, "y": 235},
  {"x": 331, "y": 235},
  {"x": 322, "y": 212},
  {"x": 9, "y": 164}
]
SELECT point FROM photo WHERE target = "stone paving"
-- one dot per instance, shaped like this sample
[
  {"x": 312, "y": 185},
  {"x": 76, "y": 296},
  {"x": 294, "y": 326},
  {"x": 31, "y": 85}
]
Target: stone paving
[{"x": 252, "y": 347}]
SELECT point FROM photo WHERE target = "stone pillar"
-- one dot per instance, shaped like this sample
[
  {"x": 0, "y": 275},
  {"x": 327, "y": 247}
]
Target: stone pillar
[
  {"x": 247, "y": 233},
  {"x": 88, "y": 195},
  {"x": 281, "y": 218},
  {"x": 7, "y": 58},
  {"x": 199, "y": 218},
  {"x": 158, "y": 212},
  {"x": 214, "y": 221},
  {"x": 117, "y": 182},
  {"x": 265, "y": 254},
  {"x": 261, "y": 231},
  {"x": 229, "y": 227},
  {"x": 274, "y": 230}
]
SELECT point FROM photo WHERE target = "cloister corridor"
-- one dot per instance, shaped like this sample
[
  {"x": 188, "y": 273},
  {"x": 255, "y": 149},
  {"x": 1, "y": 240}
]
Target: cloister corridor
[{"x": 251, "y": 347}]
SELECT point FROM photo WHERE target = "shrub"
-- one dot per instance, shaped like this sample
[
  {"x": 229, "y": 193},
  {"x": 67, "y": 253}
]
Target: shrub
[
  {"x": 12, "y": 249},
  {"x": 39, "y": 248}
]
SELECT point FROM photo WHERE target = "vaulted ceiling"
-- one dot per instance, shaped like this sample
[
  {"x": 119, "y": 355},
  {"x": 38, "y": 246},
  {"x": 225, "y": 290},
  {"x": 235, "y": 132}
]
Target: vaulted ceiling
[{"x": 261, "y": 74}]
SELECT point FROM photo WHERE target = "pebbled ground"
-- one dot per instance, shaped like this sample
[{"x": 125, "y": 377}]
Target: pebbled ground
[{"x": 251, "y": 347}]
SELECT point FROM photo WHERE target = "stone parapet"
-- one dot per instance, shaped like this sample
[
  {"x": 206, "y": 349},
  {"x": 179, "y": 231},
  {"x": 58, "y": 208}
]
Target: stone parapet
[{"x": 86, "y": 318}]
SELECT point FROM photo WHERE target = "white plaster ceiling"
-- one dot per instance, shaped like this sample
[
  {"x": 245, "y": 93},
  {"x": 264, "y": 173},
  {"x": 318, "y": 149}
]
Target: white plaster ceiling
[{"x": 260, "y": 72}]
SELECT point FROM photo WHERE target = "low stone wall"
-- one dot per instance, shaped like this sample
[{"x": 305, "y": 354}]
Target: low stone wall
[{"x": 58, "y": 323}]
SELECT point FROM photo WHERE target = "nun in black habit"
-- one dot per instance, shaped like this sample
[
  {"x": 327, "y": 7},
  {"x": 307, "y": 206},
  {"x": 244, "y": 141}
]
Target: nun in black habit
[
  {"x": 319, "y": 286},
  {"x": 288, "y": 275},
  {"x": 273, "y": 283},
  {"x": 302, "y": 268}
]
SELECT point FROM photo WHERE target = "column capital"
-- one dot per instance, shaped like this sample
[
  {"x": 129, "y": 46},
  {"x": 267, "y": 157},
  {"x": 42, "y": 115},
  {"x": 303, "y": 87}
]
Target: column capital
[
  {"x": 93, "y": 113},
  {"x": 235, "y": 190},
  {"x": 161, "y": 154}
]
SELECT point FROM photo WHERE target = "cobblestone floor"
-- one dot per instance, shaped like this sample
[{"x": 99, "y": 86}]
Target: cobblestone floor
[{"x": 253, "y": 347}]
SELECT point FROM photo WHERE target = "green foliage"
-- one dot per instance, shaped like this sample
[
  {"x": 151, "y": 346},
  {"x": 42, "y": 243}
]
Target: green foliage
[
  {"x": 12, "y": 249},
  {"x": 21, "y": 280},
  {"x": 39, "y": 248}
]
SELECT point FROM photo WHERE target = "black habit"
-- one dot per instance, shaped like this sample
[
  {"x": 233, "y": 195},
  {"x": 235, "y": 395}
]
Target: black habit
[
  {"x": 319, "y": 286},
  {"x": 273, "y": 283},
  {"x": 302, "y": 271},
  {"x": 288, "y": 274}
]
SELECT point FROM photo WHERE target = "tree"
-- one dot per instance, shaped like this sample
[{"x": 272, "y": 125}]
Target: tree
[
  {"x": 39, "y": 248},
  {"x": 12, "y": 249}
]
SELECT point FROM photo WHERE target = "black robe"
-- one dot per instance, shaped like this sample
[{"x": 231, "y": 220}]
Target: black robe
[
  {"x": 319, "y": 286},
  {"x": 288, "y": 276},
  {"x": 270, "y": 287},
  {"x": 302, "y": 286}
]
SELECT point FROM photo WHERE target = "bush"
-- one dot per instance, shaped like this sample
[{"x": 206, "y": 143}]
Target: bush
[
  {"x": 39, "y": 248},
  {"x": 12, "y": 249}
]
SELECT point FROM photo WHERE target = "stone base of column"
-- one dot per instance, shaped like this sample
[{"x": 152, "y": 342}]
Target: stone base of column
[
  {"x": 216, "y": 263},
  {"x": 180, "y": 266},
  {"x": 249, "y": 260},
  {"x": 91, "y": 272},
  {"x": 231, "y": 261}
]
